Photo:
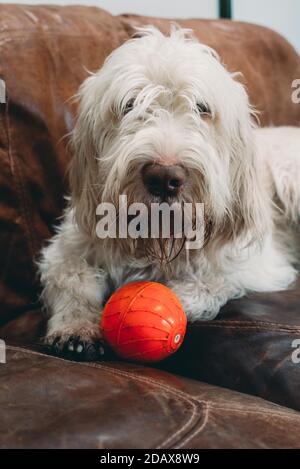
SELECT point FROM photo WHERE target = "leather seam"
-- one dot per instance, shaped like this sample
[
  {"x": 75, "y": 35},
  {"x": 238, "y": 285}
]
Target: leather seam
[
  {"x": 179, "y": 394},
  {"x": 16, "y": 173},
  {"x": 211, "y": 405},
  {"x": 238, "y": 321},
  {"x": 271, "y": 327},
  {"x": 197, "y": 431},
  {"x": 193, "y": 402},
  {"x": 5, "y": 161},
  {"x": 242, "y": 410}
]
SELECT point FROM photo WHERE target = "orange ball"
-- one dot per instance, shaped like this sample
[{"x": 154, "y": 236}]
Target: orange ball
[{"x": 144, "y": 321}]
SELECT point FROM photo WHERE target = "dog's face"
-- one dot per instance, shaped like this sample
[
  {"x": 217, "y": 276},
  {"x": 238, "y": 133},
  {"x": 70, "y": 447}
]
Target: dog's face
[{"x": 163, "y": 120}]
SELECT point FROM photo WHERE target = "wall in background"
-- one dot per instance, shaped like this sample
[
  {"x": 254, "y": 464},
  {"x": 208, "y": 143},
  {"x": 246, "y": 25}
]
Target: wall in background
[
  {"x": 281, "y": 15},
  {"x": 163, "y": 8}
]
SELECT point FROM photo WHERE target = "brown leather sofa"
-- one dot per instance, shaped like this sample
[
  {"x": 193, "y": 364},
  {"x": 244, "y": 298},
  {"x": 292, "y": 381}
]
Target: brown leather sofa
[{"x": 233, "y": 383}]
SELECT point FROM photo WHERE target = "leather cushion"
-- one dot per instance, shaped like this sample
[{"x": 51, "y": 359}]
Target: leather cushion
[
  {"x": 53, "y": 408},
  {"x": 248, "y": 347}
]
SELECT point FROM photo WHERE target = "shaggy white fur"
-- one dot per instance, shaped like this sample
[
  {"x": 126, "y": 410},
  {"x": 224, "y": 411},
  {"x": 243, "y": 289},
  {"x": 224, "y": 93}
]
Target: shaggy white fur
[{"x": 169, "y": 101}]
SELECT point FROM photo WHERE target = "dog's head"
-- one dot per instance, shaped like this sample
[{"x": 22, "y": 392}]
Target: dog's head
[{"x": 163, "y": 120}]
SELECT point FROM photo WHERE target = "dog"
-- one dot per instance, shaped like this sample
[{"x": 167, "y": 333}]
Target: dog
[{"x": 164, "y": 121}]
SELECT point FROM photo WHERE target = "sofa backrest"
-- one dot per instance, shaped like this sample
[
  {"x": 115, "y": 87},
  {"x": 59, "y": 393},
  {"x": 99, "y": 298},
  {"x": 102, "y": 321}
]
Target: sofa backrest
[{"x": 45, "y": 53}]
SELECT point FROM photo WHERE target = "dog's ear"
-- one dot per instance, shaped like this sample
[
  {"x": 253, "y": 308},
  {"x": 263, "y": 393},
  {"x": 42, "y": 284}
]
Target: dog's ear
[
  {"x": 83, "y": 172},
  {"x": 250, "y": 211}
]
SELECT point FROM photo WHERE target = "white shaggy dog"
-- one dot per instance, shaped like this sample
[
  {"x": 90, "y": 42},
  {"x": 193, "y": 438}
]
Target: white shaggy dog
[{"x": 163, "y": 120}]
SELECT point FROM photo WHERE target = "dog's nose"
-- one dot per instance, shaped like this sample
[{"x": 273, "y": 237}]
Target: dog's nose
[{"x": 163, "y": 181}]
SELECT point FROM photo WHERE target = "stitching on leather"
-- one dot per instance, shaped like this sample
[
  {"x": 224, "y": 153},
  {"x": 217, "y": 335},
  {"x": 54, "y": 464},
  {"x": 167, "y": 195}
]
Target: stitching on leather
[
  {"x": 6, "y": 161},
  {"x": 21, "y": 192},
  {"x": 165, "y": 387},
  {"x": 242, "y": 410},
  {"x": 236, "y": 408},
  {"x": 179, "y": 394},
  {"x": 194, "y": 402},
  {"x": 231, "y": 321},
  {"x": 197, "y": 429},
  {"x": 259, "y": 327}
]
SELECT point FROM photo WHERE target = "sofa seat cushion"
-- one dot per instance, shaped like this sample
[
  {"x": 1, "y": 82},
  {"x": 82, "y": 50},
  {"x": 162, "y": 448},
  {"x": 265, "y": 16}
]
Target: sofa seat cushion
[
  {"x": 249, "y": 347},
  {"x": 47, "y": 402}
]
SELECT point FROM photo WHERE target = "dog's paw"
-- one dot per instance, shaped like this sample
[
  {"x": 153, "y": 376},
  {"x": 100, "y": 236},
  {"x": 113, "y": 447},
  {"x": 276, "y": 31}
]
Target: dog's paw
[{"x": 78, "y": 345}]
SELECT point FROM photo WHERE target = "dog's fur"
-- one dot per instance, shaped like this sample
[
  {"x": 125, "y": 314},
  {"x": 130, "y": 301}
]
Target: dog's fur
[{"x": 169, "y": 100}]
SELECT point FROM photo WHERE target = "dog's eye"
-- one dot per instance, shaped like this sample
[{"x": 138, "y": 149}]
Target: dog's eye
[
  {"x": 128, "y": 106},
  {"x": 203, "y": 109}
]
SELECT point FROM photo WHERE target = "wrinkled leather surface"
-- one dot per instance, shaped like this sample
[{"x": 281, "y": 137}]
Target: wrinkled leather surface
[
  {"x": 100, "y": 406},
  {"x": 45, "y": 53},
  {"x": 248, "y": 347}
]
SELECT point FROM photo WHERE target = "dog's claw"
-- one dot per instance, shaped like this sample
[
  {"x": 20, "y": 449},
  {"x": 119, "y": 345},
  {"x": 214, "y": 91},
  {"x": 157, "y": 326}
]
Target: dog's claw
[{"x": 76, "y": 348}]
